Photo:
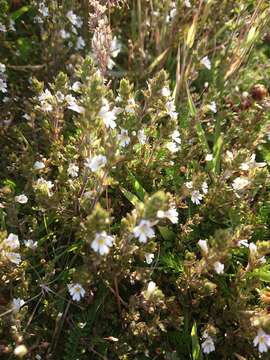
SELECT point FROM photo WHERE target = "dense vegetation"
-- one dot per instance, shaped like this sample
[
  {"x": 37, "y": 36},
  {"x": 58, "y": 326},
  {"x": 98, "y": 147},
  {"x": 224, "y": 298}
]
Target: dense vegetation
[{"x": 134, "y": 186}]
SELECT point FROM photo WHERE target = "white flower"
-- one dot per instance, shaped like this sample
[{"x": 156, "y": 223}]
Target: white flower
[
  {"x": 73, "y": 170},
  {"x": 208, "y": 345},
  {"x": 151, "y": 287},
  {"x": 149, "y": 257},
  {"x": 108, "y": 116},
  {"x": 38, "y": 165},
  {"x": 3, "y": 28},
  {"x": 243, "y": 242},
  {"x": 30, "y": 244},
  {"x": 204, "y": 187},
  {"x": 262, "y": 340},
  {"x": 2, "y": 68},
  {"x": 17, "y": 304},
  {"x": 251, "y": 164},
  {"x": 187, "y": 3},
  {"x": 213, "y": 107},
  {"x": 12, "y": 241},
  {"x": 76, "y": 86},
  {"x": 45, "y": 96},
  {"x": 203, "y": 245},
  {"x": 165, "y": 91},
  {"x": 172, "y": 147},
  {"x": 240, "y": 183},
  {"x": 22, "y": 199},
  {"x": 76, "y": 291},
  {"x": 74, "y": 19},
  {"x": 64, "y": 34},
  {"x": 196, "y": 197},
  {"x": 115, "y": 47},
  {"x": 130, "y": 107},
  {"x": 60, "y": 96},
  {"x": 96, "y": 163},
  {"x": 170, "y": 214},
  {"x": 209, "y": 157},
  {"x": 206, "y": 62},
  {"x": 123, "y": 138},
  {"x": 3, "y": 85},
  {"x": 143, "y": 231},
  {"x": 44, "y": 11},
  {"x": 189, "y": 184},
  {"x": 44, "y": 185},
  {"x": 142, "y": 137},
  {"x": 252, "y": 248},
  {"x": 77, "y": 108},
  {"x": 219, "y": 267},
  {"x": 73, "y": 105},
  {"x": 20, "y": 351},
  {"x": 170, "y": 107},
  {"x": 102, "y": 243},
  {"x": 80, "y": 44},
  {"x": 176, "y": 136},
  {"x": 13, "y": 257}
]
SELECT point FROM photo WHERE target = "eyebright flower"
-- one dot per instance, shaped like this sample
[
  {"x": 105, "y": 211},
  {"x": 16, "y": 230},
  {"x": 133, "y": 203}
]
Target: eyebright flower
[
  {"x": 123, "y": 138},
  {"x": 3, "y": 85},
  {"x": 130, "y": 107},
  {"x": 80, "y": 44},
  {"x": 108, "y": 116},
  {"x": 17, "y": 304},
  {"x": 189, "y": 184},
  {"x": 39, "y": 165},
  {"x": 73, "y": 105},
  {"x": 209, "y": 157},
  {"x": 240, "y": 183},
  {"x": 74, "y": 19},
  {"x": 76, "y": 291},
  {"x": 204, "y": 187},
  {"x": 251, "y": 164},
  {"x": 196, "y": 197},
  {"x": 12, "y": 241},
  {"x": 149, "y": 257},
  {"x": 206, "y": 62},
  {"x": 30, "y": 244},
  {"x": 208, "y": 345},
  {"x": 170, "y": 107},
  {"x": 143, "y": 231},
  {"x": 142, "y": 137},
  {"x": 165, "y": 91},
  {"x": 151, "y": 287},
  {"x": 203, "y": 245},
  {"x": 243, "y": 242},
  {"x": 262, "y": 340},
  {"x": 176, "y": 136},
  {"x": 102, "y": 243},
  {"x": 172, "y": 147},
  {"x": 219, "y": 267},
  {"x": 22, "y": 199},
  {"x": 44, "y": 185},
  {"x": 73, "y": 170},
  {"x": 213, "y": 107},
  {"x": 13, "y": 257},
  {"x": 170, "y": 214},
  {"x": 96, "y": 163}
]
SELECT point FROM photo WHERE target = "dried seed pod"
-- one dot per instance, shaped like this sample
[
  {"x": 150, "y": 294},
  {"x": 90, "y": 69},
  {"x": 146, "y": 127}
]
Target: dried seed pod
[{"x": 259, "y": 92}]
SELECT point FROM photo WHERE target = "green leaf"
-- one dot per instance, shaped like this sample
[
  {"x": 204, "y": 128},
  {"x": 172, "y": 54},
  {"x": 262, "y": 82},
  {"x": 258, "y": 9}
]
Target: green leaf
[
  {"x": 217, "y": 154},
  {"x": 262, "y": 274},
  {"x": 196, "y": 350},
  {"x": 166, "y": 233},
  {"x": 18, "y": 13},
  {"x": 140, "y": 192},
  {"x": 131, "y": 197}
]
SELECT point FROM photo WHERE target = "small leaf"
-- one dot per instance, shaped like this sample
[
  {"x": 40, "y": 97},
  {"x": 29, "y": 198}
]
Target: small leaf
[
  {"x": 18, "y": 13},
  {"x": 196, "y": 350}
]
